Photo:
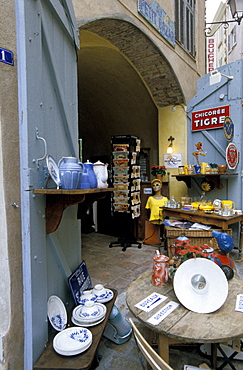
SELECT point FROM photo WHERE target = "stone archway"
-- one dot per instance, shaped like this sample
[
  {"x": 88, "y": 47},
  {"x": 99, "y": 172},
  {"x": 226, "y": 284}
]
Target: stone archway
[{"x": 151, "y": 65}]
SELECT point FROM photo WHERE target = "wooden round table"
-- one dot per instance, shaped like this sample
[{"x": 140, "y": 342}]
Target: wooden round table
[{"x": 183, "y": 325}]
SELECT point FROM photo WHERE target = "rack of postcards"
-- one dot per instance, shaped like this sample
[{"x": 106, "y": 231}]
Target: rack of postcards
[{"x": 126, "y": 174}]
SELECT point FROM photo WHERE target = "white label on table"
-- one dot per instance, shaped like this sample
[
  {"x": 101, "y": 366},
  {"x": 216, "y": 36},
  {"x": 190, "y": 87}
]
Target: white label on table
[
  {"x": 150, "y": 302},
  {"x": 239, "y": 303},
  {"x": 163, "y": 313}
]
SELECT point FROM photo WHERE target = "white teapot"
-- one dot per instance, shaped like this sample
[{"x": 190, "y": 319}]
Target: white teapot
[{"x": 100, "y": 169}]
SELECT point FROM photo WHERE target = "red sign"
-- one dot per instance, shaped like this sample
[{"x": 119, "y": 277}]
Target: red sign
[
  {"x": 232, "y": 156},
  {"x": 211, "y": 54},
  {"x": 209, "y": 118}
]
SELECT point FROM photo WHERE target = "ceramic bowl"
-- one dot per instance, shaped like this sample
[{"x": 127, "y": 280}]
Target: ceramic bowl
[
  {"x": 222, "y": 168},
  {"x": 99, "y": 291},
  {"x": 87, "y": 296},
  {"x": 89, "y": 309}
]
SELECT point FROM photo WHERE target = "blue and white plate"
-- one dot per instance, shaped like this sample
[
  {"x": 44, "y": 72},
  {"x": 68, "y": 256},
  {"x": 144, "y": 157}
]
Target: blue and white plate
[
  {"x": 53, "y": 169},
  {"x": 107, "y": 298},
  {"x": 56, "y": 313},
  {"x": 101, "y": 311},
  {"x": 86, "y": 324},
  {"x": 72, "y": 341}
]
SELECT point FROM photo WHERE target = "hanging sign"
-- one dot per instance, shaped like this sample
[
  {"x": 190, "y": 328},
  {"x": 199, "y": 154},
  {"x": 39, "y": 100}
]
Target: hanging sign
[
  {"x": 232, "y": 156},
  {"x": 209, "y": 118},
  {"x": 158, "y": 18},
  {"x": 228, "y": 128}
]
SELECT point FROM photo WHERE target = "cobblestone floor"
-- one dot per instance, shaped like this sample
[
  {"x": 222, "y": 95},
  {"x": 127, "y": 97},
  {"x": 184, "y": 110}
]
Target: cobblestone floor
[{"x": 113, "y": 267}]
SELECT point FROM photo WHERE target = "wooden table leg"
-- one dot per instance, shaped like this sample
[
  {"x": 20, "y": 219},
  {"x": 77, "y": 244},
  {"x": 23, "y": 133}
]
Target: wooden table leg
[
  {"x": 163, "y": 347},
  {"x": 214, "y": 355}
]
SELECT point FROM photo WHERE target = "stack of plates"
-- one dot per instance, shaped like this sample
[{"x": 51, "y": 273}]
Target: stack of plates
[
  {"x": 72, "y": 341},
  {"x": 92, "y": 320}
]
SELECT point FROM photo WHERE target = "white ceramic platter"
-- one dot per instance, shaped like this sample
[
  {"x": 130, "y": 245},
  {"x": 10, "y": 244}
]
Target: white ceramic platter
[
  {"x": 53, "y": 169},
  {"x": 108, "y": 297},
  {"x": 72, "y": 341},
  {"x": 101, "y": 313},
  {"x": 56, "y": 313},
  {"x": 86, "y": 324}
]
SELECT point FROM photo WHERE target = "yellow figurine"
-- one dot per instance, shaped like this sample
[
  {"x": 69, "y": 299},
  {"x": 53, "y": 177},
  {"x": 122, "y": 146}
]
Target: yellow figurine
[{"x": 156, "y": 202}]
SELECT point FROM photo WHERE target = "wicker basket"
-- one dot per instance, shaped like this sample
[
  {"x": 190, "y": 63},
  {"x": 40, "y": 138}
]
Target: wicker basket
[{"x": 197, "y": 237}]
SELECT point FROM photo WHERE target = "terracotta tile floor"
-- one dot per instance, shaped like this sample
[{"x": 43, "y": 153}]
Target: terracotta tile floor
[{"x": 112, "y": 266}]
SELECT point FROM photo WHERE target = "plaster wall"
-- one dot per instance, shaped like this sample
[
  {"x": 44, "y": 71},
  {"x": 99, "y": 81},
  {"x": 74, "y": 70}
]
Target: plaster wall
[
  {"x": 173, "y": 123},
  {"x": 11, "y": 326}
]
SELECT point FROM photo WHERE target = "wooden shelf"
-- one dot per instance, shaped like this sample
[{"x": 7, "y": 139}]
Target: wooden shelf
[
  {"x": 57, "y": 200},
  {"x": 215, "y": 177}
]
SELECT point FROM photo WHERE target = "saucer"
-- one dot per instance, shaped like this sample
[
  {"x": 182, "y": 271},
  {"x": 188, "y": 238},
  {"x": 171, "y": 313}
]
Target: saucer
[
  {"x": 86, "y": 324},
  {"x": 108, "y": 297}
]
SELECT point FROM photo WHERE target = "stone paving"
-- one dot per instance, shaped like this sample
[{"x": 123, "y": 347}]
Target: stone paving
[{"x": 111, "y": 266}]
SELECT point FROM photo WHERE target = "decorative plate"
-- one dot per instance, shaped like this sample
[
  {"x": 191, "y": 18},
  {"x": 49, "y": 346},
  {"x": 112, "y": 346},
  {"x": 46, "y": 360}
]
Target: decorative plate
[
  {"x": 107, "y": 298},
  {"x": 57, "y": 313},
  {"x": 53, "y": 169},
  {"x": 232, "y": 156}
]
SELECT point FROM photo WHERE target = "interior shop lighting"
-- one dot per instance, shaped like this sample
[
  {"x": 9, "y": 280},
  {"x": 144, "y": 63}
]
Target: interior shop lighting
[
  {"x": 170, "y": 147},
  {"x": 215, "y": 77},
  {"x": 236, "y": 8}
]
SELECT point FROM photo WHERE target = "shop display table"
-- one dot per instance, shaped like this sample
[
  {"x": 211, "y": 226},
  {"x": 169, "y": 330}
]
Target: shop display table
[
  {"x": 222, "y": 222},
  {"x": 52, "y": 360},
  {"x": 183, "y": 325}
]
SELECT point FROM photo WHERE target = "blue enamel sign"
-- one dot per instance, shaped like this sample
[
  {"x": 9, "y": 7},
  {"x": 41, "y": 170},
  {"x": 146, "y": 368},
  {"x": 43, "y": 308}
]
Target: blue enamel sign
[
  {"x": 158, "y": 18},
  {"x": 6, "y": 56}
]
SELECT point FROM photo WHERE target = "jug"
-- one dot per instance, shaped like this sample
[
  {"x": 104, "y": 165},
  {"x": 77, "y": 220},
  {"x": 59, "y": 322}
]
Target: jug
[
  {"x": 203, "y": 167},
  {"x": 70, "y": 172},
  {"x": 100, "y": 169},
  {"x": 229, "y": 203},
  {"x": 84, "y": 183},
  {"x": 89, "y": 167},
  {"x": 160, "y": 273}
]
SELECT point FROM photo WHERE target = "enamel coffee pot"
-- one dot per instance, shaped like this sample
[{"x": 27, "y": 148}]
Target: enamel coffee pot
[{"x": 100, "y": 169}]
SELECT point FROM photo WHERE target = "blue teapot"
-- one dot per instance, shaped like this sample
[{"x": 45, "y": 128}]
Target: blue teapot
[{"x": 70, "y": 171}]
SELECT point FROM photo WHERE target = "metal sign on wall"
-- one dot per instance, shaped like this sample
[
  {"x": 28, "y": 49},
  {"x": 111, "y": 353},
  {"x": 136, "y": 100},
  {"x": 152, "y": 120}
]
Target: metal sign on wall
[
  {"x": 158, "y": 18},
  {"x": 210, "y": 118},
  {"x": 6, "y": 56}
]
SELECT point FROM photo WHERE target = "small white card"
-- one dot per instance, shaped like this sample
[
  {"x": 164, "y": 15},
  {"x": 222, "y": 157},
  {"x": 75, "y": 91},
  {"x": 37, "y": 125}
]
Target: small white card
[
  {"x": 163, "y": 313},
  {"x": 239, "y": 303},
  {"x": 150, "y": 302}
]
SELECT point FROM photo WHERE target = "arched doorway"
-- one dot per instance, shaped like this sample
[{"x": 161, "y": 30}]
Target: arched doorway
[{"x": 123, "y": 79}]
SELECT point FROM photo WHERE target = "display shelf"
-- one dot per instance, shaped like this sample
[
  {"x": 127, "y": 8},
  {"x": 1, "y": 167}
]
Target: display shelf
[
  {"x": 215, "y": 177},
  {"x": 57, "y": 200}
]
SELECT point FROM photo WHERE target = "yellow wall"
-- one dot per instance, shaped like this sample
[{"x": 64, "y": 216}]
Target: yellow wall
[{"x": 173, "y": 123}]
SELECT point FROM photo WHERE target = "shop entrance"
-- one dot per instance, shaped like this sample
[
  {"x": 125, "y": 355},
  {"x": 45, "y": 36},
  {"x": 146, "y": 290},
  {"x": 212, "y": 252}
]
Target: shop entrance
[{"x": 122, "y": 79}]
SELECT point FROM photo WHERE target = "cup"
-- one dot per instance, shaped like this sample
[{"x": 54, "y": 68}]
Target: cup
[
  {"x": 197, "y": 168},
  {"x": 227, "y": 210},
  {"x": 99, "y": 291},
  {"x": 87, "y": 296},
  {"x": 89, "y": 309}
]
